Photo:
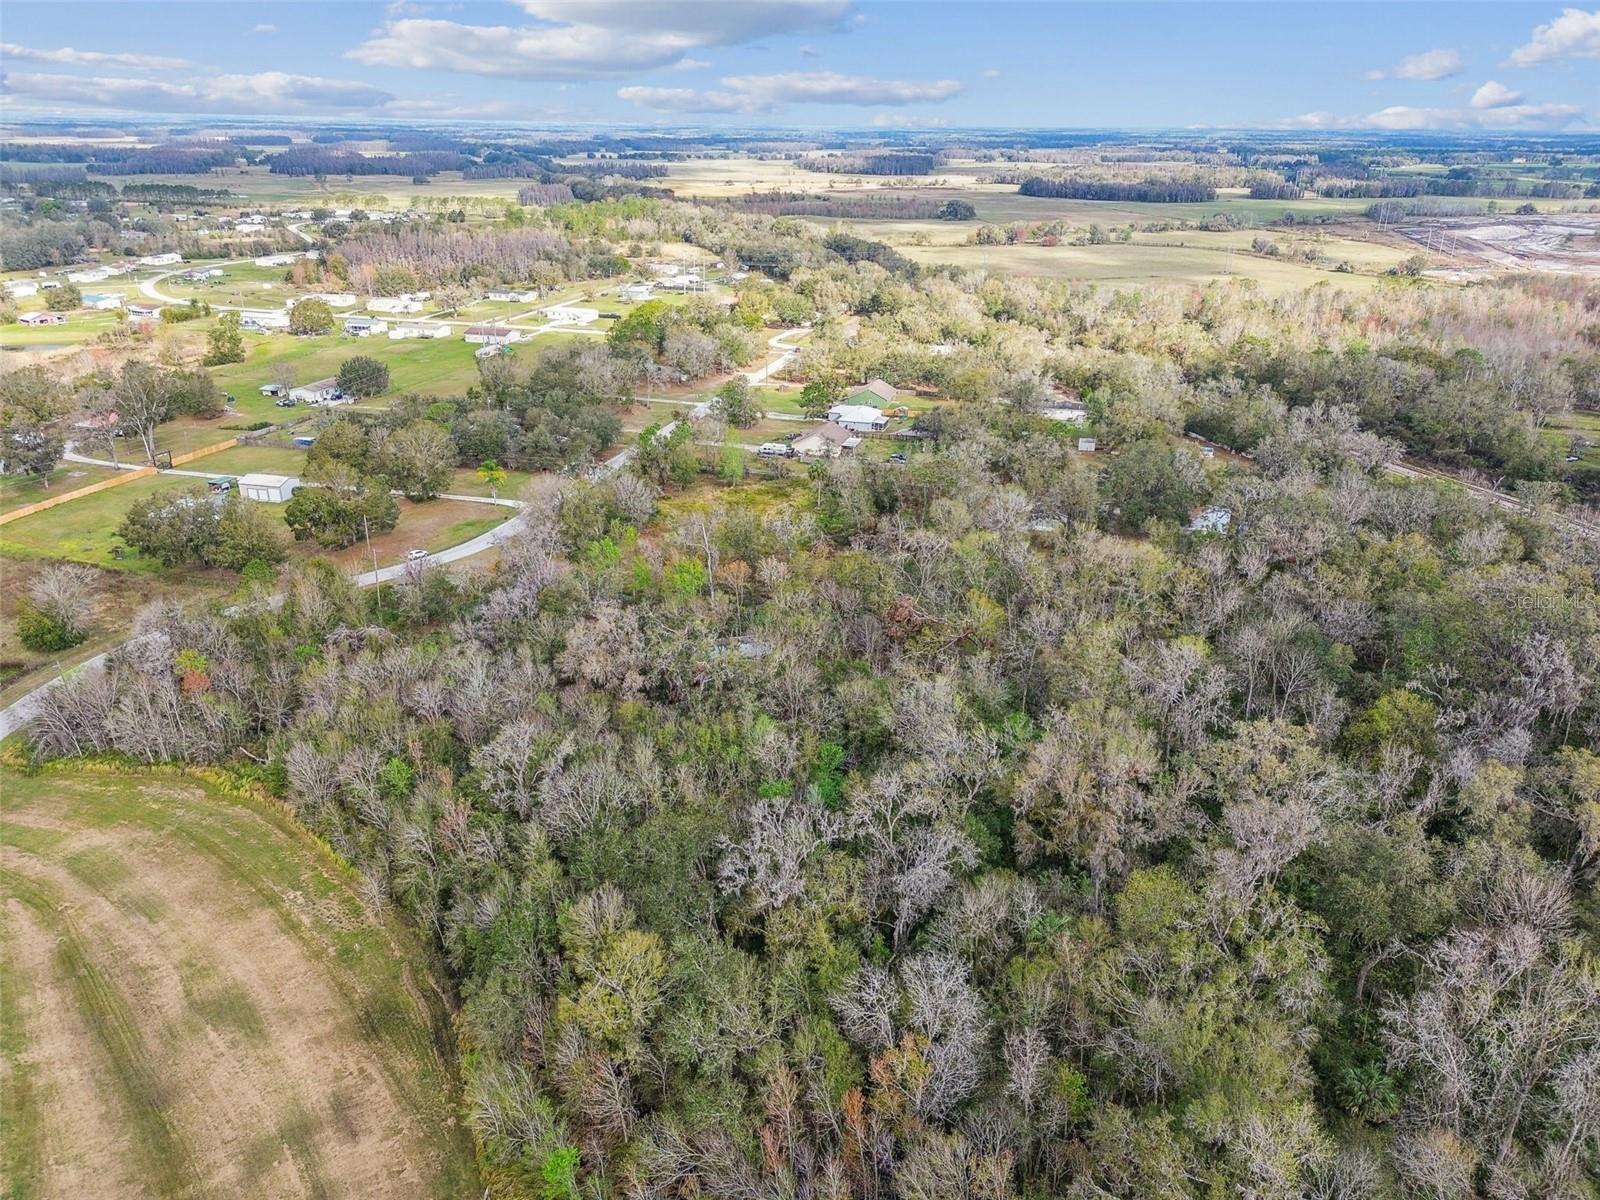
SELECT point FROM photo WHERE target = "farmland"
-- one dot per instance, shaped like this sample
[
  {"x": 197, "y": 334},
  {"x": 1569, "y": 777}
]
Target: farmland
[{"x": 286, "y": 1043}]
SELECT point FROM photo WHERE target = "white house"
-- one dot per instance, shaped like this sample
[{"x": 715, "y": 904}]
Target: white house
[
  {"x": 365, "y": 326},
  {"x": 102, "y": 300},
  {"x": 263, "y": 320},
  {"x": 143, "y": 312},
  {"x": 89, "y": 275},
  {"x": 862, "y": 418},
  {"x": 511, "y": 296},
  {"x": 160, "y": 260},
  {"x": 268, "y": 489},
  {"x": 275, "y": 260},
  {"x": 394, "y": 304},
  {"x": 632, "y": 292},
  {"x": 419, "y": 329},
  {"x": 492, "y": 335},
  {"x": 571, "y": 314},
  {"x": 1072, "y": 414},
  {"x": 21, "y": 289},
  {"x": 42, "y": 318},
  {"x": 318, "y": 392},
  {"x": 331, "y": 299},
  {"x": 689, "y": 281}
]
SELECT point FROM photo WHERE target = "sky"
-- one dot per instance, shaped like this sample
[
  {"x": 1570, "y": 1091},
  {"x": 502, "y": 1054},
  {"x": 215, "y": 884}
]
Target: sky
[{"x": 1519, "y": 65}]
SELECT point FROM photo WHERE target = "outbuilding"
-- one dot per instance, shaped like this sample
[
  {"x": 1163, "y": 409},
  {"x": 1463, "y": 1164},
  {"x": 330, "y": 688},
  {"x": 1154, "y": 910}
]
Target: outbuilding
[{"x": 268, "y": 489}]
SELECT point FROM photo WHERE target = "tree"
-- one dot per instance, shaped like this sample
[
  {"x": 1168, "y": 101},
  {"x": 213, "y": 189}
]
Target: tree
[
  {"x": 194, "y": 394},
  {"x": 64, "y": 298},
  {"x": 172, "y": 527},
  {"x": 736, "y": 403},
  {"x": 143, "y": 396},
  {"x": 339, "y": 514},
  {"x": 493, "y": 475},
  {"x": 58, "y": 608},
  {"x": 641, "y": 331},
  {"x": 818, "y": 396},
  {"x": 665, "y": 456},
  {"x": 1151, "y": 479},
  {"x": 363, "y": 376},
  {"x": 248, "y": 532},
  {"x": 33, "y": 409},
  {"x": 224, "y": 343},
  {"x": 309, "y": 318},
  {"x": 417, "y": 460}
]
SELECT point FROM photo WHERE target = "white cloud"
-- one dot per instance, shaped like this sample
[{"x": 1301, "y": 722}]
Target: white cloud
[
  {"x": 1405, "y": 116},
  {"x": 687, "y": 100},
  {"x": 1574, "y": 34},
  {"x": 266, "y": 93},
  {"x": 592, "y": 39},
  {"x": 993, "y": 73},
  {"x": 67, "y": 56},
  {"x": 810, "y": 52},
  {"x": 1494, "y": 95},
  {"x": 1424, "y": 67},
  {"x": 264, "y": 28},
  {"x": 763, "y": 93},
  {"x": 690, "y": 64}
]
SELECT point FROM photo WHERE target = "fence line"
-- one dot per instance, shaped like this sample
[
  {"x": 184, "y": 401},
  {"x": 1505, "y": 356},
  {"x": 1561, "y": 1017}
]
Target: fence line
[{"x": 38, "y": 506}]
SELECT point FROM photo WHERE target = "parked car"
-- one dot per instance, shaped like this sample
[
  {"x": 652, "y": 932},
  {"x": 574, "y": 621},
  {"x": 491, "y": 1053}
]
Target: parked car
[{"x": 284, "y": 402}]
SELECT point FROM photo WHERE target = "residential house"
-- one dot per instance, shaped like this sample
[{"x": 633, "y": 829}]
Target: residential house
[
  {"x": 275, "y": 260},
  {"x": 161, "y": 260},
  {"x": 21, "y": 289},
  {"x": 492, "y": 335},
  {"x": 689, "y": 281},
  {"x": 511, "y": 296},
  {"x": 89, "y": 275},
  {"x": 42, "y": 318},
  {"x": 317, "y": 392},
  {"x": 144, "y": 312},
  {"x": 571, "y": 314},
  {"x": 825, "y": 441},
  {"x": 862, "y": 418},
  {"x": 1071, "y": 414},
  {"x": 365, "y": 326},
  {"x": 633, "y": 292},
  {"x": 331, "y": 299},
  {"x": 394, "y": 304},
  {"x": 402, "y": 330},
  {"x": 268, "y": 489},
  {"x": 883, "y": 391},
  {"x": 102, "y": 300},
  {"x": 258, "y": 320}
]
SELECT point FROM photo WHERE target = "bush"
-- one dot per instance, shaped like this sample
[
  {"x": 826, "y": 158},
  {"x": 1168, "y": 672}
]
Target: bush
[
  {"x": 44, "y": 631},
  {"x": 64, "y": 298}
]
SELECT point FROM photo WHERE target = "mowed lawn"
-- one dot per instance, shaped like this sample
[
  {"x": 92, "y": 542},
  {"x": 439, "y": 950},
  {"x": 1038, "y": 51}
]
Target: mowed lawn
[
  {"x": 19, "y": 491},
  {"x": 197, "y": 1001},
  {"x": 85, "y": 530},
  {"x": 436, "y": 366}
]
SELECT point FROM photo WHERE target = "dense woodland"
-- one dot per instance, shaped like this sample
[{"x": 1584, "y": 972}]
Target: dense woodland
[{"x": 979, "y": 826}]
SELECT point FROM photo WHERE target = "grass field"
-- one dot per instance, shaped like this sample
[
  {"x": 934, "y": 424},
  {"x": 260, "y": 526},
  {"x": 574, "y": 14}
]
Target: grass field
[
  {"x": 197, "y": 1003},
  {"x": 85, "y": 530},
  {"x": 17, "y": 491}
]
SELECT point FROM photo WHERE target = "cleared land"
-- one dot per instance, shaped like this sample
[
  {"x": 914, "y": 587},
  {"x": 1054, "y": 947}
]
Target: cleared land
[{"x": 197, "y": 1002}]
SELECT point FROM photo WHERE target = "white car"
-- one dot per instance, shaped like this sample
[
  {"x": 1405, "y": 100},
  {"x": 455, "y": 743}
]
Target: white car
[{"x": 415, "y": 555}]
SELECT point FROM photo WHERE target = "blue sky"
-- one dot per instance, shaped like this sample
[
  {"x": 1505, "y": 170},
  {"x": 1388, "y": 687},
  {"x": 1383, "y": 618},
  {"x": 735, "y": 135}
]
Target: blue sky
[{"x": 817, "y": 63}]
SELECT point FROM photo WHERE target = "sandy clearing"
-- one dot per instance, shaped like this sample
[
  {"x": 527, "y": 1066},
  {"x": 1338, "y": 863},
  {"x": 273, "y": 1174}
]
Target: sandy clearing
[
  {"x": 275, "y": 1084},
  {"x": 83, "y": 1153}
]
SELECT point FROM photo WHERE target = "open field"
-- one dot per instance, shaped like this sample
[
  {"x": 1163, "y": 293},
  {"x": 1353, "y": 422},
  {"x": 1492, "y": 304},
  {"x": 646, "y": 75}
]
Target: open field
[
  {"x": 85, "y": 530},
  {"x": 197, "y": 1002},
  {"x": 17, "y": 491}
]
